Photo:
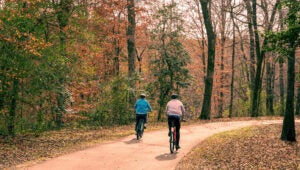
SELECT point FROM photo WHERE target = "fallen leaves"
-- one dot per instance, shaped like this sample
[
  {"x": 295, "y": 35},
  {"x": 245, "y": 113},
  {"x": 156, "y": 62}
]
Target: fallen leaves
[
  {"x": 14, "y": 151},
  {"x": 31, "y": 148},
  {"x": 257, "y": 147}
]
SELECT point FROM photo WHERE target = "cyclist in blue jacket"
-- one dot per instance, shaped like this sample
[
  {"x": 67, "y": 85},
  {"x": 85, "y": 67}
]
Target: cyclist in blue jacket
[{"x": 142, "y": 107}]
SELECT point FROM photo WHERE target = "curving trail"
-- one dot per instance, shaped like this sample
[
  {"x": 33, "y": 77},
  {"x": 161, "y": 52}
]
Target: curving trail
[{"x": 151, "y": 153}]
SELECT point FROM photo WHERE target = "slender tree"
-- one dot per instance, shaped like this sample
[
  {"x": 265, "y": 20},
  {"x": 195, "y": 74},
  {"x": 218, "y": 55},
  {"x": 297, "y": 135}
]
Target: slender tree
[
  {"x": 222, "y": 43},
  {"x": 260, "y": 56},
  {"x": 270, "y": 67},
  {"x": 232, "y": 61},
  {"x": 281, "y": 62},
  {"x": 251, "y": 40},
  {"x": 206, "y": 106},
  {"x": 131, "y": 44},
  {"x": 270, "y": 77}
]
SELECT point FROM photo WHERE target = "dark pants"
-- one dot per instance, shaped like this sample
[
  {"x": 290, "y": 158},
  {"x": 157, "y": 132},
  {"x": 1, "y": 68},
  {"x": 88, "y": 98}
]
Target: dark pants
[
  {"x": 138, "y": 117},
  {"x": 176, "y": 120}
]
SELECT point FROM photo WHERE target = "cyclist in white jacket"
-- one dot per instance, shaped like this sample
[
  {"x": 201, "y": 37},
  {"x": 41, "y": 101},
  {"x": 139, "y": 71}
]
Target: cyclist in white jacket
[{"x": 174, "y": 111}]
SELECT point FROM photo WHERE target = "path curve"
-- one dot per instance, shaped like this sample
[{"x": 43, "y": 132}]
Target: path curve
[{"x": 151, "y": 153}]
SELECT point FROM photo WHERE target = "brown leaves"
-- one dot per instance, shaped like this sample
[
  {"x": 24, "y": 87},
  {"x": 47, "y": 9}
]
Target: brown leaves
[
  {"x": 23, "y": 148},
  {"x": 250, "y": 148}
]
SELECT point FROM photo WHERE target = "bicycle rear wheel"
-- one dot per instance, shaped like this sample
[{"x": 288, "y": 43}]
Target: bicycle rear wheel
[
  {"x": 172, "y": 142},
  {"x": 140, "y": 129}
]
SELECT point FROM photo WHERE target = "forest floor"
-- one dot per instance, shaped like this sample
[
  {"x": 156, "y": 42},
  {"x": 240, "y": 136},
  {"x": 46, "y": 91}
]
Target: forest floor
[
  {"x": 30, "y": 149},
  {"x": 35, "y": 148},
  {"x": 255, "y": 147}
]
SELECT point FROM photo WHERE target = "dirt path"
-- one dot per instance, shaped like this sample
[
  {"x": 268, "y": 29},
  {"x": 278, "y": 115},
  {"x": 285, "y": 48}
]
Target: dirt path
[{"x": 151, "y": 153}]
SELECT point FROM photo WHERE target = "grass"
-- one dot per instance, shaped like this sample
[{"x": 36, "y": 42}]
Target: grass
[{"x": 256, "y": 147}]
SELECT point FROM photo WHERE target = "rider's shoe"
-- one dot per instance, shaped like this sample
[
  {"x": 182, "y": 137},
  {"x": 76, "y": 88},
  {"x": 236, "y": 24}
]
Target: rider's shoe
[
  {"x": 178, "y": 147},
  {"x": 145, "y": 127}
]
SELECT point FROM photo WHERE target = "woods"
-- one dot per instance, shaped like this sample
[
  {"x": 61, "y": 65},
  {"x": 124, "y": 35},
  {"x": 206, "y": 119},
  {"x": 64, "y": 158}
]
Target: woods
[{"x": 79, "y": 63}]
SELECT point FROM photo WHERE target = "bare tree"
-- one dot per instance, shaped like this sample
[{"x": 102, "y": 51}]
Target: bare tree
[{"x": 260, "y": 55}]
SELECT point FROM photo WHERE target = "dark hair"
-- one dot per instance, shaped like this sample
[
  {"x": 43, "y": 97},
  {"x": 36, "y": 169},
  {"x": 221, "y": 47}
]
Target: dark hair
[{"x": 174, "y": 96}]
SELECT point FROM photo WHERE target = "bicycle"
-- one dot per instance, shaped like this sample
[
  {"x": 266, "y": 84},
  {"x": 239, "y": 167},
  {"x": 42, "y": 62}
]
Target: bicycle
[
  {"x": 172, "y": 135},
  {"x": 140, "y": 129}
]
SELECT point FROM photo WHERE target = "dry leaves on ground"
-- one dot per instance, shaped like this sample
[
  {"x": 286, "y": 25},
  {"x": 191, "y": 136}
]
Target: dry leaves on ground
[
  {"x": 257, "y": 147},
  {"x": 32, "y": 148}
]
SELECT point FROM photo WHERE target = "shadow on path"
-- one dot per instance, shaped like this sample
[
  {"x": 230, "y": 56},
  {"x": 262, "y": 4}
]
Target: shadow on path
[
  {"x": 166, "y": 157},
  {"x": 133, "y": 141}
]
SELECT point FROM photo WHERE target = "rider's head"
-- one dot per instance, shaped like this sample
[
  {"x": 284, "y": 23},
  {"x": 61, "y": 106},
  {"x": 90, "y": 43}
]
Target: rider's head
[
  {"x": 174, "y": 96},
  {"x": 143, "y": 95}
]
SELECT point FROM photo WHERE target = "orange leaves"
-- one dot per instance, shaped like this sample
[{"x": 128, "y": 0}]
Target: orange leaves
[
  {"x": 28, "y": 43},
  {"x": 33, "y": 45}
]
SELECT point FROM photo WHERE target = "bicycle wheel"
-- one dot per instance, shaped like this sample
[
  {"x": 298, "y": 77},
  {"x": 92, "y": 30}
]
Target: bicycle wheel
[
  {"x": 172, "y": 146},
  {"x": 175, "y": 139},
  {"x": 140, "y": 129}
]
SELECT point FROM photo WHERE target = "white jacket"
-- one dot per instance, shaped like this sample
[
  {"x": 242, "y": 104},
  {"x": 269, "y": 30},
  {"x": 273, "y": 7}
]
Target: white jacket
[{"x": 175, "y": 107}]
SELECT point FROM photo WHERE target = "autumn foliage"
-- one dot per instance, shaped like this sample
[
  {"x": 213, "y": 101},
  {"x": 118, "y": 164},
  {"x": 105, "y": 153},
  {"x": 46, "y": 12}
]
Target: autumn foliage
[{"x": 65, "y": 63}]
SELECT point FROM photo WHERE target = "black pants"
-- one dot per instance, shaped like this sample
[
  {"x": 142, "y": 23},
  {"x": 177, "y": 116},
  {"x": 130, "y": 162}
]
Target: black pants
[
  {"x": 176, "y": 120},
  {"x": 138, "y": 117}
]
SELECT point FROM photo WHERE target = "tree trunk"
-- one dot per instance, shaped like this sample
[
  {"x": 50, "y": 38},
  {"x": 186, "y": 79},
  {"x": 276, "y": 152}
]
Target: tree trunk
[
  {"x": 116, "y": 61},
  {"x": 269, "y": 88},
  {"x": 298, "y": 102},
  {"x": 281, "y": 86},
  {"x": 131, "y": 38},
  {"x": 140, "y": 58},
  {"x": 251, "y": 36},
  {"x": 117, "y": 46},
  {"x": 63, "y": 13},
  {"x": 281, "y": 81},
  {"x": 131, "y": 46},
  {"x": 13, "y": 108},
  {"x": 245, "y": 64},
  {"x": 223, "y": 39},
  {"x": 260, "y": 55},
  {"x": 232, "y": 64},
  {"x": 288, "y": 129},
  {"x": 206, "y": 106},
  {"x": 255, "y": 90}
]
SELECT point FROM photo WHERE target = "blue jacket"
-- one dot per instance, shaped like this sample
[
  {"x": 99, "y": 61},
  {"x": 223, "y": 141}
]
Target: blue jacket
[{"x": 142, "y": 106}]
